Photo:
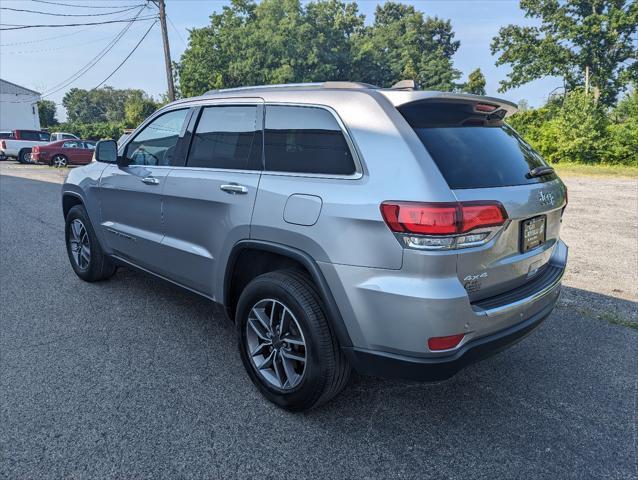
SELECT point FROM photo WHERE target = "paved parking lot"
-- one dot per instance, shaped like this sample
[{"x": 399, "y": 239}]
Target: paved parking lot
[{"x": 135, "y": 378}]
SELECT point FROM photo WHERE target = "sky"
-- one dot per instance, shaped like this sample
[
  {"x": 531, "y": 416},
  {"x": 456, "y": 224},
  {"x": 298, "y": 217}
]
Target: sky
[{"x": 43, "y": 58}]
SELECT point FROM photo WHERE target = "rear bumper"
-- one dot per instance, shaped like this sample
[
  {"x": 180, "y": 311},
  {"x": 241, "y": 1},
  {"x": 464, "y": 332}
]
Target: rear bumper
[{"x": 382, "y": 364}]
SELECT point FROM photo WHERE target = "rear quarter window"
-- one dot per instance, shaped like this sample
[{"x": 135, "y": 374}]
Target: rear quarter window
[
  {"x": 473, "y": 150},
  {"x": 305, "y": 140}
]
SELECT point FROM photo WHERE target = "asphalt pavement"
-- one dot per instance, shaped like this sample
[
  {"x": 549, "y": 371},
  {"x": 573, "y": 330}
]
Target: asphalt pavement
[{"x": 136, "y": 378}]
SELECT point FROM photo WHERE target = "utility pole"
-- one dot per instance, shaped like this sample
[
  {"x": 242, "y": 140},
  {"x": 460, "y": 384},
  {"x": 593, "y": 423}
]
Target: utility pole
[{"x": 167, "y": 51}]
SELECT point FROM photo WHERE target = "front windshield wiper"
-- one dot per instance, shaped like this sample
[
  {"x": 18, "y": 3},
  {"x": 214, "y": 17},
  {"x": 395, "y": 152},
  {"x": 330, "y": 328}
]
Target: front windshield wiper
[{"x": 540, "y": 171}]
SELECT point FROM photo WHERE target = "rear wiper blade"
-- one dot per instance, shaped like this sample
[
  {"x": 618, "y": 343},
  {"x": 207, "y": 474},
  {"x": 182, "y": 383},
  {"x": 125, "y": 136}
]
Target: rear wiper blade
[{"x": 540, "y": 171}]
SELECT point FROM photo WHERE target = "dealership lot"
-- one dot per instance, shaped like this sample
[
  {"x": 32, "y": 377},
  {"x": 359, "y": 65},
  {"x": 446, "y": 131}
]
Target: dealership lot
[{"x": 137, "y": 378}]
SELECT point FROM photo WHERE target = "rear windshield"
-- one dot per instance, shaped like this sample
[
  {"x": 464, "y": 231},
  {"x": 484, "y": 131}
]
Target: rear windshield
[{"x": 473, "y": 150}]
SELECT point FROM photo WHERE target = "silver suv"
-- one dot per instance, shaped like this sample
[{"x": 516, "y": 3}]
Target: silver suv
[{"x": 342, "y": 226}]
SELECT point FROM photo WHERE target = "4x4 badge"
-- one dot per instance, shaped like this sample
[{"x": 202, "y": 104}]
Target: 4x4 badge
[{"x": 545, "y": 198}]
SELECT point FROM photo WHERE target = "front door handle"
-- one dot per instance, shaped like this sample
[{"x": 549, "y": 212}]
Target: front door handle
[
  {"x": 234, "y": 188},
  {"x": 150, "y": 180}
]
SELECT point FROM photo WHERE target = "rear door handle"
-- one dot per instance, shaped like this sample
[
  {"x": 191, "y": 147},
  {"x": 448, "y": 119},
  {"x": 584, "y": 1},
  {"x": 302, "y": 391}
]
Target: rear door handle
[
  {"x": 150, "y": 180},
  {"x": 234, "y": 189}
]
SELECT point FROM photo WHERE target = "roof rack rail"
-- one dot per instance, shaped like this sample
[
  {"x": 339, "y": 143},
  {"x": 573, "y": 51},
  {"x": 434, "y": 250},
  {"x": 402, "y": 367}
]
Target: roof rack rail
[
  {"x": 405, "y": 85},
  {"x": 329, "y": 84},
  {"x": 339, "y": 84},
  {"x": 260, "y": 87}
]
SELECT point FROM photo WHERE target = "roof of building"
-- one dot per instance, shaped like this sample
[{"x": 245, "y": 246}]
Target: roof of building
[{"x": 9, "y": 87}]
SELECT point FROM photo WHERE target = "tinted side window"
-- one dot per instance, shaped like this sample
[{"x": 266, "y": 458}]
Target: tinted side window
[
  {"x": 28, "y": 135},
  {"x": 226, "y": 137},
  {"x": 305, "y": 140},
  {"x": 155, "y": 144}
]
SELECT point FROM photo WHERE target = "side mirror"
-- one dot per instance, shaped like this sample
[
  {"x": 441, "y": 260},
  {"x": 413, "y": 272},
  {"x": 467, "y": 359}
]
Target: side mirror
[{"x": 106, "y": 151}]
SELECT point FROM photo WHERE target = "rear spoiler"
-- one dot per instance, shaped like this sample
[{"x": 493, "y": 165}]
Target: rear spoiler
[{"x": 403, "y": 97}]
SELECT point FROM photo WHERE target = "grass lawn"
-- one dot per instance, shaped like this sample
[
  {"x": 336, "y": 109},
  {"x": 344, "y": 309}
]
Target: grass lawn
[{"x": 575, "y": 169}]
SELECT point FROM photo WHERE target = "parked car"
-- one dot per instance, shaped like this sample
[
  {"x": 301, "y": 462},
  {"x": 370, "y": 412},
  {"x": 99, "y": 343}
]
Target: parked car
[
  {"x": 55, "y": 136},
  {"x": 21, "y": 142},
  {"x": 398, "y": 232},
  {"x": 64, "y": 152}
]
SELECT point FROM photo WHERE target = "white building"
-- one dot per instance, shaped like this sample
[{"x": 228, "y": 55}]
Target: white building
[{"x": 18, "y": 107}]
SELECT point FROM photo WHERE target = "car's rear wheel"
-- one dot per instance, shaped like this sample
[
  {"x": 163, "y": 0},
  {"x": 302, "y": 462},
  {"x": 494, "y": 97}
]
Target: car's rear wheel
[
  {"x": 286, "y": 343},
  {"x": 85, "y": 253},
  {"x": 59, "y": 161},
  {"x": 24, "y": 155}
]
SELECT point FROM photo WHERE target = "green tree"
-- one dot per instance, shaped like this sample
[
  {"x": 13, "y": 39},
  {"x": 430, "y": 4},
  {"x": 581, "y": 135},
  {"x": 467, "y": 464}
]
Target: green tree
[
  {"x": 475, "y": 83},
  {"x": 280, "y": 41},
  {"x": 622, "y": 145},
  {"x": 46, "y": 111},
  {"x": 105, "y": 104},
  {"x": 138, "y": 106},
  {"x": 574, "y": 36},
  {"x": 402, "y": 43}
]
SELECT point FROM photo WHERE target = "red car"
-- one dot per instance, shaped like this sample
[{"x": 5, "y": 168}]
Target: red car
[{"x": 64, "y": 152}]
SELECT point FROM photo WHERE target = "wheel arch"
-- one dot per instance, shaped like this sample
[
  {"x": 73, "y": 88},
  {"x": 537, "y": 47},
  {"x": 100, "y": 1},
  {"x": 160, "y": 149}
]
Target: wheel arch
[
  {"x": 275, "y": 256},
  {"x": 70, "y": 200}
]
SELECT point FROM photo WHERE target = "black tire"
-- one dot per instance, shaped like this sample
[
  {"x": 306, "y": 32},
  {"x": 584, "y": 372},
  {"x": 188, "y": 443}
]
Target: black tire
[
  {"x": 99, "y": 266},
  {"x": 24, "y": 155},
  {"x": 62, "y": 159},
  {"x": 326, "y": 369}
]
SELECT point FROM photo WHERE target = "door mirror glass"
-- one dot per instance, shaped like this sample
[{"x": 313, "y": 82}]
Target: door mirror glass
[{"x": 106, "y": 151}]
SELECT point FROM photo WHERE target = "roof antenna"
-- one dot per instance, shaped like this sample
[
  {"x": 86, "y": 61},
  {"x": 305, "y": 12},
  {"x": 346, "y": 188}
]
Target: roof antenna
[{"x": 405, "y": 85}]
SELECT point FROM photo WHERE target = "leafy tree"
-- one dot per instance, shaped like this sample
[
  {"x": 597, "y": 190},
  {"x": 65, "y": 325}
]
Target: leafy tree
[
  {"x": 475, "y": 83},
  {"x": 46, "y": 111},
  {"x": 280, "y": 41},
  {"x": 401, "y": 44},
  {"x": 137, "y": 108},
  {"x": 573, "y": 36},
  {"x": 100, "y": 105},
  {"x": 622, "y": 146}
]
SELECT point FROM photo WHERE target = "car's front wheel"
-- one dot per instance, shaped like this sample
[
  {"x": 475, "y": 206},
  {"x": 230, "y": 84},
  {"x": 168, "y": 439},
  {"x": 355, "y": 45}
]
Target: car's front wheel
[
  {"x": 85, "y": 253},
  {"x": 59, "y": 161},
  {"x": 286, "y": 343}
]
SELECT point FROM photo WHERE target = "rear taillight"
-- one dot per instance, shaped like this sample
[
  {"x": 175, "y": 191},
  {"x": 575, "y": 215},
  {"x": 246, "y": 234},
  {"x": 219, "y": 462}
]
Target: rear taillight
[
  {"x": 443, "y": 225},
  {"x": 3, "y": 144},
  {"x": 35, "y": 149}
]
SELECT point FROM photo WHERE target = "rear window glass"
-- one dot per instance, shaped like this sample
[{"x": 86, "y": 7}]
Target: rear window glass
[
  {"x": 305, "y": 140},
  {"x": 473, "y": 150}
]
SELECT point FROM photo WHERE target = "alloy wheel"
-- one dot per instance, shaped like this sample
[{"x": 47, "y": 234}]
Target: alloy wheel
[
  {"x": 59, "y": 161},
  {"x": 276, "y": 344},
  {"x": 80, "y": 244}
]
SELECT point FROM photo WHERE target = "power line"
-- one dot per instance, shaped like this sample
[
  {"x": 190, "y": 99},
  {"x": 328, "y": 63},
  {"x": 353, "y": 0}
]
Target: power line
[
  {"x": 70, "y": 14},
  {"x": 82, "y": 6},
  {"x": 43, "y": 50},
  {"x": 91, "y": 63},
  {"x": 127, "y": 57},
  {"x": 176, "y": 30},
  {"x": 45, "y": 39},
  {"x": 22, "y": 27}
]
